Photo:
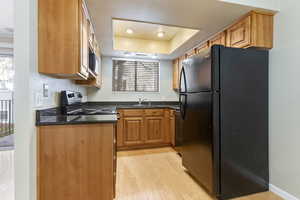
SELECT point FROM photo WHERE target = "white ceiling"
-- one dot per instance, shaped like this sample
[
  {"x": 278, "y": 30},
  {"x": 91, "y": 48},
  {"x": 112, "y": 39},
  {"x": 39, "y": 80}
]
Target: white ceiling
[
  {"x": 146, "y": 31},
  {"x": 6, "y": 17},
  {"x": 210, "y": 16}
]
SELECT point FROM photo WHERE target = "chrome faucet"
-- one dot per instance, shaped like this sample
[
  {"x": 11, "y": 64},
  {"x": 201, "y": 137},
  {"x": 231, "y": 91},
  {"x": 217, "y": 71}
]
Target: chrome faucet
[{"x": 141, "y": 101}]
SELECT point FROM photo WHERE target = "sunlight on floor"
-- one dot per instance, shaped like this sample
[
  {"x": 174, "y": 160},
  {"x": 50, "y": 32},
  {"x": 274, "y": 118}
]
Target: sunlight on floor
[{"x": 7, "y": 175}]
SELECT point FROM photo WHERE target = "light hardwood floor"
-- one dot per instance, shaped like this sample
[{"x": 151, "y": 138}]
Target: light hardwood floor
[
  {"x": 156, "y": 174},
  {"x": 7, "y": 175}
]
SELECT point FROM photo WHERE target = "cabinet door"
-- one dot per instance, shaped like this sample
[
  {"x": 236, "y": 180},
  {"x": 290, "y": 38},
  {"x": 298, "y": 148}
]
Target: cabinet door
[
  {"x": 190, "y": 53},
  {"x": 175, "y": 74},
  {"x": 239, "y": 35},
  {"x": 202, "y": 47},
  {"x": 172, "y": 127},
  {"x": 154, "y": 130},
  {"x": 133, "y": 131},
  {"x": 219, "y": 39},
  {"x": 74, "y": 160},
  {"x": 84, "y": 41}
]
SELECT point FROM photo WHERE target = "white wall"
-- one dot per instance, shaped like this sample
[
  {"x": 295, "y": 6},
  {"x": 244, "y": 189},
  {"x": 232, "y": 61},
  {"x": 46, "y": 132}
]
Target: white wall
[
  {"x": 263, "y": 4},
  {"x": 27, "y": 83},
  {"x": 285, "y": 100},
  {"x": 106, "y": 94}
]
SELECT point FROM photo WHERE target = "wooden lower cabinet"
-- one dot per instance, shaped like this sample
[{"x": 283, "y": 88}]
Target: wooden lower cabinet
[
  {"x": 172, "y": 127},
  {"x": 76, "y": 162},
  {"x": 154, "y": 130},
  {"x": 133, "y": 131},
  {"x": 141, "y": 128}
]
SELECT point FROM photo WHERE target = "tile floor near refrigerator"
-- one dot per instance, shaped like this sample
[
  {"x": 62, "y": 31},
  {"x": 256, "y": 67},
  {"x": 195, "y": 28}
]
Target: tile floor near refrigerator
[{"x": 7, "y": 175}]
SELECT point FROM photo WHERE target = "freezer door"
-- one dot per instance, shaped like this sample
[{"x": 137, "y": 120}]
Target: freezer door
[
  {"x": 200, "y": 73},
  {"x": 198, "y": 140},
  {"x": 196, "y": 74}
]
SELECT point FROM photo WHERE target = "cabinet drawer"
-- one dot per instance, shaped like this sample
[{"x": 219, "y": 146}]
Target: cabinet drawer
[
  {"x": 133, "y": 112},
  {"x": 154, "y": 112}
]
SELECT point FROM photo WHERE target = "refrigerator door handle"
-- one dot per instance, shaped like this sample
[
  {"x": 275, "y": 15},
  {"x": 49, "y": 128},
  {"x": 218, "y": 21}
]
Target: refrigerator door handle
[
  {"x": 182, "y": 76},
  {"x": 182, "y": 105}
]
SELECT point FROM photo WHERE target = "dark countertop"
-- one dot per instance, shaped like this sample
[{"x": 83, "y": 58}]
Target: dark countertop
[
  {"x": 53, "y": 116},
  {"x": 76, "y": 119},
  {"x": 134, "y": 105}
]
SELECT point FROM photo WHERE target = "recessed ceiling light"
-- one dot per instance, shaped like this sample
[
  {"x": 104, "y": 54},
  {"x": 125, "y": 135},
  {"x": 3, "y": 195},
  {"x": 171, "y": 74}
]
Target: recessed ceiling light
[
  {"x": 129, "y": 31},
  {"x": 160, "y": 34}
]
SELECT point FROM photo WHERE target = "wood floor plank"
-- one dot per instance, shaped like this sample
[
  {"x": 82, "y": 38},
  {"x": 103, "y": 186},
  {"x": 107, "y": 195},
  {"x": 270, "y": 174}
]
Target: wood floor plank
[
  {"x": 7, "y": 175},
  {"x": 157, "y": 174}
]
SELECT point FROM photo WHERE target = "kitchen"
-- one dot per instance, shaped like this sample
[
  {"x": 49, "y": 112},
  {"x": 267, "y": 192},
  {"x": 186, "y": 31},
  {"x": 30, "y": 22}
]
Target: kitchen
[{"x": 135, "y": 99}]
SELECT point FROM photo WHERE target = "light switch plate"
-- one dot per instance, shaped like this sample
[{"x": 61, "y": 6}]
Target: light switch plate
[
  {"x": 45, "y": 90},
  {"x": 38, "y": 99}
]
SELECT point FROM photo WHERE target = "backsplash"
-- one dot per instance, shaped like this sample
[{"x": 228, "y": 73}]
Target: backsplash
[{"x": 55, "y": 86}]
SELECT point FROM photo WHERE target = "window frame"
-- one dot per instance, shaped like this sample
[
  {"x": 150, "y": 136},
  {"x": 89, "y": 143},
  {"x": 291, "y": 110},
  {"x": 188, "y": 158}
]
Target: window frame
[{"x": 141, "y": 60}]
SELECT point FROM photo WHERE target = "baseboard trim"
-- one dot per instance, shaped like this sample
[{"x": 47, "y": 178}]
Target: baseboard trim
[{"x": 282, "y": 193}]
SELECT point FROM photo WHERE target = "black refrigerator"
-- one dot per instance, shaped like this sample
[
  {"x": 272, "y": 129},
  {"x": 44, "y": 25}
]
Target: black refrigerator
[{"x": 224, "y": 107}]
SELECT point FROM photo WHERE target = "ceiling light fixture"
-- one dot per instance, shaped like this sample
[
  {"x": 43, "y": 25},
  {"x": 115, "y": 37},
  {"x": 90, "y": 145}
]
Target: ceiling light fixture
[
  {"x": 129, "y": 31},
  {"x": 161, "y": 34}
]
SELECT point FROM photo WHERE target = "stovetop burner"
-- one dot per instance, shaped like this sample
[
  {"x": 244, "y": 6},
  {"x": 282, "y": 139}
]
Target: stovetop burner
[
  {"x": 81, "y": 110},
  {"x": 71, "y": 104}
]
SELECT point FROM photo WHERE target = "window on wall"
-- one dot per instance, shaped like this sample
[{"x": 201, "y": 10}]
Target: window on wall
[
  {"x": 135, "y": 76},
  {"x": 6, "y": 73}
]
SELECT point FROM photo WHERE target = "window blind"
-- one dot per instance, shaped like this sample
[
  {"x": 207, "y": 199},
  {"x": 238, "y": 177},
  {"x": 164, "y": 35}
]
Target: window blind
[
  {"x": 135, "y": 76},
  {"x": 6, "y": 72}
]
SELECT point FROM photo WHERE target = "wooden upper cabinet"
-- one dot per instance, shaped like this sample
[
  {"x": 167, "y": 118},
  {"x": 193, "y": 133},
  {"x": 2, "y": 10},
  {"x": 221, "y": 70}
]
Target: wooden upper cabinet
[
  {"x": 202, "y": 47},
  {"x": 253, "y": 30},
  {"x": 84, "y": 41},
  {"x": 220, "y": 39},
  {"x": 176, "y": 74},
  {"x": 239, "y": 34},
  {"x": 190, "y": 53},
  {"x": 62, "y": 37},
  {"x": 177, "y": 66}
]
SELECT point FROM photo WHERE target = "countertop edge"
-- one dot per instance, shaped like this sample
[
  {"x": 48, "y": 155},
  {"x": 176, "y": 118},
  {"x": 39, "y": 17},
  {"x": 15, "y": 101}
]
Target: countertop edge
[{"x": 76, "y": 123}]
